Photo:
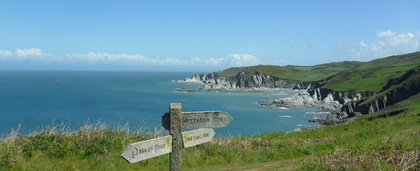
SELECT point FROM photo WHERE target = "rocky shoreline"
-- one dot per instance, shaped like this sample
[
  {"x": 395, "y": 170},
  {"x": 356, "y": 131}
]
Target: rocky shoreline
[
  {"x": 301, "y": 91},
  {"x": 304, "y": 99},
  {"x": 342, "y": 106}
]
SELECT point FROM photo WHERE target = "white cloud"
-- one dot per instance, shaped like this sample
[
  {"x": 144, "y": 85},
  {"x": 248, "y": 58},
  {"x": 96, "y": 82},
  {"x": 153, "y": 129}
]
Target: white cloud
[
  {"x": 94, "y": 58},
  {"x": 386, "y": 34},
  {"x": 37, "y": 55},
  {"x": 29, "y": 52},
  {"x": 26, "y": 54},
  {"x": 388, "y": 43},
  {"x": 5, "y": 53},
  {"x": 242, "y": 59}
]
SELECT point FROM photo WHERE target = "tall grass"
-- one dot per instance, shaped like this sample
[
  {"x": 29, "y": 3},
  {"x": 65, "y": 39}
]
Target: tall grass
[
  {"x": 365, "y": 144},
  {"x": 58, "y": 142}
]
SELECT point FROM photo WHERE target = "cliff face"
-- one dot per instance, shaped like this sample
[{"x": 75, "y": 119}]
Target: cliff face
[
  {"x": 200, "y": 78},
  {"x": 326, "y": 99},
  {"x": 241, "y": 80},
  {"x": 346, "y": 104},
  {"x": 307, "y": 85},
  {"x": 396, "y": 90}
]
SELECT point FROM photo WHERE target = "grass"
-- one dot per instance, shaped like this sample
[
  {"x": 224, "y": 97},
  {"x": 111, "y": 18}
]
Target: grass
[
  {"x": 292, "y": 73},
  {"x": 369, "y": 143},
  {"x": 372, "y": 79},
  {"x": 54, "y": 147},
  {"x": 338, "y": 76}
]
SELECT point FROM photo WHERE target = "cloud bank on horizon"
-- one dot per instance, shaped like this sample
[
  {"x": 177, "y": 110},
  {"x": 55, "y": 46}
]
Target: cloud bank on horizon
[
  {"x": 36, "y": 55},
  {"x": 388, "y": 43}
]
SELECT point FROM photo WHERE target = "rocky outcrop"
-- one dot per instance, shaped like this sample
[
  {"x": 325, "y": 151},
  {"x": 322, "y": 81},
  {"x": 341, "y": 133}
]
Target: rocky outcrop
[
  {"x": 200, "y": 78},
  {"x": 332, "y": 119},
  {"x": 308, "y": 100},
  {"x": 344, "y": 105},
  {"x": 323, "y": 98},
  {"x": 307, "y": 85},
  {"x": 240, "y": 81},
  {"x": 396, "y": 90}
]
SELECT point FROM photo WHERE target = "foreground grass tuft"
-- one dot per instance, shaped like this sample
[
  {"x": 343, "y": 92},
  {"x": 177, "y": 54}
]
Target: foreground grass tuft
[{"x": 56, "y": 142}]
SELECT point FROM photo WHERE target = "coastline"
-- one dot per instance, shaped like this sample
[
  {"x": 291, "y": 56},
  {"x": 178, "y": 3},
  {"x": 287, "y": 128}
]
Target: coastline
[
  {"x": 300, "y": 97},
  {"x": 230, "y": 89}
]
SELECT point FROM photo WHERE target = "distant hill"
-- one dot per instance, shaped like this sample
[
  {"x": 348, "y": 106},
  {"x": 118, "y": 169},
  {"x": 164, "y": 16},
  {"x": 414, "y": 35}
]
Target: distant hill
[
  {"x": 347, "y": 75},
  {"x": 348, "y": 88}
]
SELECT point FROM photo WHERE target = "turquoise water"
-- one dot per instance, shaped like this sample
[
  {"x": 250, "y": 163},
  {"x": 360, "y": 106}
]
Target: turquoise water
[{"x": 34, "y": 99}]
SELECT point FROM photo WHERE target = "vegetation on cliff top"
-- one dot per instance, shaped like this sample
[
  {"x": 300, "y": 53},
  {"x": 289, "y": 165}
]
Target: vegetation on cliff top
[{"x": 347, "y": 75}]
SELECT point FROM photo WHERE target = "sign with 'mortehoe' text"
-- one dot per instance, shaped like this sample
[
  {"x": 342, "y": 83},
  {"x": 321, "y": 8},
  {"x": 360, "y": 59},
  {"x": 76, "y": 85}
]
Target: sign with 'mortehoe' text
[{"x": 203, "y": 119}]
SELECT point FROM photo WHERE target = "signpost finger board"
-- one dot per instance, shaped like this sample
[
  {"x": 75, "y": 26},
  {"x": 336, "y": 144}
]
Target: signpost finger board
[
  {"x": 147, "y": 149},
  {"x": 202, "y": 119}
]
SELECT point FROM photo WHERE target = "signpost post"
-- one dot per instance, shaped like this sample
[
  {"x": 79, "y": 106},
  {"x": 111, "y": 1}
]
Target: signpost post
[{"x": 175, "y": 121}]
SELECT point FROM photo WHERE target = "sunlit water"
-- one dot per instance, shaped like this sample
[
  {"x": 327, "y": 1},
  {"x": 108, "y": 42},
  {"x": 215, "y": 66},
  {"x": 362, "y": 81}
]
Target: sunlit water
[{"x": 40, "y": 98}]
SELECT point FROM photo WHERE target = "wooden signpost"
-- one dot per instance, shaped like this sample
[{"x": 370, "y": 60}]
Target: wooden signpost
[{"x": 174, "y": 121}]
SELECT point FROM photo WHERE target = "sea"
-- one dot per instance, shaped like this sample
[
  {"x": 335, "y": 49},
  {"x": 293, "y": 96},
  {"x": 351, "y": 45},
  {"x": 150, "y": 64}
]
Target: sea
[{"x": 31, "y": 100}]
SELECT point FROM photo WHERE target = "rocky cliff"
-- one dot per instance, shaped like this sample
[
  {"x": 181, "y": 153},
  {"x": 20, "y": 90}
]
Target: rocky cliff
[
  {"x": 347, "y": 104},
  {"x": 396, "y": 90},
  {"x": 239, "y": 81},
  {"x": 367, "y": 86},
  {"x": 326, "y": 99}
]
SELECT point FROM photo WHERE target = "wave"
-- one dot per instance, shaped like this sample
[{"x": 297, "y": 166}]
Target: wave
[
  {"x": 285, "y": 116},
  {"x": 319, "y": 112}
]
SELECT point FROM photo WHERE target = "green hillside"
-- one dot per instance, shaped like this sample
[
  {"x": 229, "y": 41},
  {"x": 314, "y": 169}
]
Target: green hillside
[
  {"x": 348, "y": 75},
  {"x": 373, "y": 75},
  {"x": 294, "y": 73}
]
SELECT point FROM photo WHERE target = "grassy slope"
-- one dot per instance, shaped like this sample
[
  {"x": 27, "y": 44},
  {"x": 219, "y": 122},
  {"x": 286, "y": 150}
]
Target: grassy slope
[
  {"x": 373, "y": 75},
  {"x": 348, "y": 75},
  {"x": 294, "y": 73},
  {"x": 364, "y": 144}
]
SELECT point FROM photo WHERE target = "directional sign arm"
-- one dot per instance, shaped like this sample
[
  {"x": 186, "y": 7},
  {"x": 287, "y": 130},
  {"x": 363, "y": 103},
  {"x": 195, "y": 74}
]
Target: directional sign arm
[
  {"x": 203, "y": 119},
  {"x": 199, "y": 136},
  {"x": 147, "y": 149}
]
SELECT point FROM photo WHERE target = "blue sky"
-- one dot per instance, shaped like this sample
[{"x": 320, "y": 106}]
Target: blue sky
[{"x": 206, "y": 35}]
